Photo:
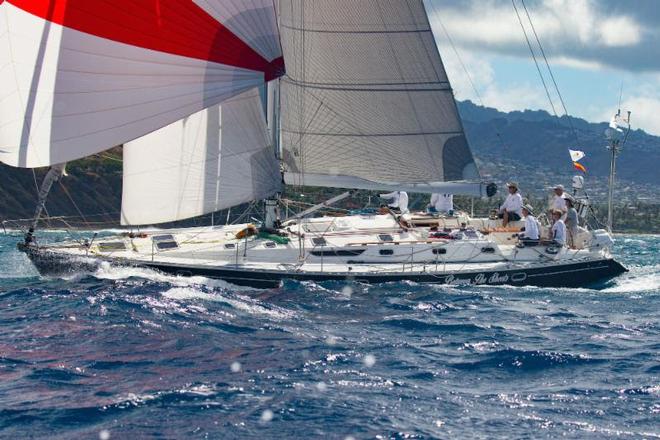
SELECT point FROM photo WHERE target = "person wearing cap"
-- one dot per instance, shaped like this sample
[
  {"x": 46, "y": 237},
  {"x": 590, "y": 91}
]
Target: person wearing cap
[
  {"x": 571, "y": 221},
  {"x": 558, "y": 231},
  {"x": 399, "y": 201},
  {"x": 511, "y": 209},
  {"x": 559, "y": 199},
  {"x": 530, "y": 235}
]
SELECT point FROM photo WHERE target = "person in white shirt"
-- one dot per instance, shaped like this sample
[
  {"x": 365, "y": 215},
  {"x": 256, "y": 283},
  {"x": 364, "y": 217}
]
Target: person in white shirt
[
  {"x": 558, "y": 228},
  {"x": 399, "y": 200},
  {"x": 441, "y": 203},
  {"x": 559, "y": 199},
  {"x": 530, "y": 235},
  {"x": 511, "y": 209}
]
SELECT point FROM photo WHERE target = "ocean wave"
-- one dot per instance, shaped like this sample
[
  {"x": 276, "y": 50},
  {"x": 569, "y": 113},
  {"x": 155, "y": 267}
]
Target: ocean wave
[
  {"x": 417, "y": 325},
  {"x": 238, "y": 302},
  {"x": 646, "y": 279},
  {"x": 109, "y": 271},
  {"x": 526, "y": 360}
]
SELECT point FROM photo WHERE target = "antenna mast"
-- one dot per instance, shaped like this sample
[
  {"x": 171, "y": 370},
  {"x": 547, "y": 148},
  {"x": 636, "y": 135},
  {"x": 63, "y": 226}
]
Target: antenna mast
[{"x": 616, "y": 139}]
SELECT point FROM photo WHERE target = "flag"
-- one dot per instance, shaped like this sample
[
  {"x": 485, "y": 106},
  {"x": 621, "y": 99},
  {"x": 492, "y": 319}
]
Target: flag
[
  {"x": 579, "y": 166},
  {"x": 616, "y": 123},
  {"x": 576, "y": 155}
]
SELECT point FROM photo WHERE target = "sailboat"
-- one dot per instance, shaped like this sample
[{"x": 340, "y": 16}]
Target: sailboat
[{"x": 219, "y": 103}]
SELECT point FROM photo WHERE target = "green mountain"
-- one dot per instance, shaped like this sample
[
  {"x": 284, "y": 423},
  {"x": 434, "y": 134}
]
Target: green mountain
[{"x": 532, "y": 147}]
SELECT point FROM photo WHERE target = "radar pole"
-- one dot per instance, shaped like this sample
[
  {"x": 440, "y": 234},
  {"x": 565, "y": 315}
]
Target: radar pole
[{"x": 616, "y": 139}]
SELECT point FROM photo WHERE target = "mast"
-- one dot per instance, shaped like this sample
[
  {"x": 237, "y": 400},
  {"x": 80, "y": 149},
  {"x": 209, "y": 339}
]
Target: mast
[
  {"x": 273, "y": 119},
  {"x": 615, "y": 145}
]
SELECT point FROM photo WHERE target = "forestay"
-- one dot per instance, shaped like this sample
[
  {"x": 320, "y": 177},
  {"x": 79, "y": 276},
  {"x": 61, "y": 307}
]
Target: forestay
[
  {"x": 366, "y": 98},
  {"x": 81, "y": 76},
  {"x": 212, "y": 160}
]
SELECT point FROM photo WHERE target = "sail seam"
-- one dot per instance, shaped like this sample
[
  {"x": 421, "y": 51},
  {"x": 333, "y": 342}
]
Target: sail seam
[
  {"x": 323, "y": 31},
  {"x": 427, "y": 133}
]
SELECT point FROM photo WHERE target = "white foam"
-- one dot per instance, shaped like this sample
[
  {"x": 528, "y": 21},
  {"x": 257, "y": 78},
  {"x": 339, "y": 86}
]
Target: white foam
[
  {"x": 243, "y": 303},
  {"x": 646, "y": 281},
  {"x": 112, "y": 272}
]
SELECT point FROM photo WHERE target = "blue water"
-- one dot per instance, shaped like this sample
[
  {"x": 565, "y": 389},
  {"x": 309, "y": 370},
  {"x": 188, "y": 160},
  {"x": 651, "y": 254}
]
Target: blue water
[{"x": 128, "y": 353}]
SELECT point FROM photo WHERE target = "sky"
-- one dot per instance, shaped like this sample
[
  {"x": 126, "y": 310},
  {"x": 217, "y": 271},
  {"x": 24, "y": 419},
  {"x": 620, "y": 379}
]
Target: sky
[{"x": 596, "y": 49}]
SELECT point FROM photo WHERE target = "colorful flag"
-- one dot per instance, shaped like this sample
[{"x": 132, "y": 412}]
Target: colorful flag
[
  {"x": 579, "y": 166},
  {"x": 576, "y": 155}
]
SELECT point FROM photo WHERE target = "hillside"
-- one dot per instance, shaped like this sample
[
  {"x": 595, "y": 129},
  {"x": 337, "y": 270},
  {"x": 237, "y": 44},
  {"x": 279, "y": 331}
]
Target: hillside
[
  {"x": 93, "y": 183},
  {"x": 531, "y": 148}
]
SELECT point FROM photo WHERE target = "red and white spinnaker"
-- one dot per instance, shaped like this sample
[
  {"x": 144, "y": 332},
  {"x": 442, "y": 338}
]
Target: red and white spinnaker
[{"x": 81, "y": 76}]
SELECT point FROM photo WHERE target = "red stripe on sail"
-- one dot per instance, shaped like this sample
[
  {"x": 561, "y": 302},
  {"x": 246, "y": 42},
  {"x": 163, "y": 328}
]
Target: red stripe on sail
[{"x": 177, "y": 27}]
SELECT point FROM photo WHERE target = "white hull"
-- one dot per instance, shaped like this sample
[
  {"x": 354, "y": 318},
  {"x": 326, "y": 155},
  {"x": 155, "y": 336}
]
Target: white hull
[{"x": 371, "y": 248}]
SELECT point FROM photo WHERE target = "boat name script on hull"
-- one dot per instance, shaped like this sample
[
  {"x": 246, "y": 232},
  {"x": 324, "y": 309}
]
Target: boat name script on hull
[{"x": 484, "y": 278}]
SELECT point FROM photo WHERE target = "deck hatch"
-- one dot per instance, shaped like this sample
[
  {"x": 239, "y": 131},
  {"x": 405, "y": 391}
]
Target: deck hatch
[
  {"x": 319, "y": 241},
  {"x": 165, "y": 242}
]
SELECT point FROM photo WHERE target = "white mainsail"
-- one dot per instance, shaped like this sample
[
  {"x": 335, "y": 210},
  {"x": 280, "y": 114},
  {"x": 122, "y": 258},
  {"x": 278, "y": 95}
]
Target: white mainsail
[
  {"x": 366, "y": 102},
  {"x": 81, "y": 76},
  {"x": 214, "y": 159}
]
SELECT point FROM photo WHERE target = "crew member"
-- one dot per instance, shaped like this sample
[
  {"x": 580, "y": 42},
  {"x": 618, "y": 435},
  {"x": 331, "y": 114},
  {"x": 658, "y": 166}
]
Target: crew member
[
  {"x": 558, "y": 231},
  {"x": 511, "y": 209},
  {"x": 572, "y": 222},
  {"x": 530, "y": 235},
  {"x": 399, "y": 201},
  {"x": 559, "y": 199},
  {"x": 441, "y": 204}
]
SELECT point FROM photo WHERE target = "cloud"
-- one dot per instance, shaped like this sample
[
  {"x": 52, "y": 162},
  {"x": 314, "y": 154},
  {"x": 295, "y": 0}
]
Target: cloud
[
  {"x": 587, "y": 32},
  {"x": 608, "y": 40},
  {"x": 484, "y": 88}
]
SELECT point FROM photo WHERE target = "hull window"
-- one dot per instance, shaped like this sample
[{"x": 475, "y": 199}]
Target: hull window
[{"x": 337, "y": 253}]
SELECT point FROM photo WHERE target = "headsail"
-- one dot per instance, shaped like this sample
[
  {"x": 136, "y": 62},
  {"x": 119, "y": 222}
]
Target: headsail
[
  {"x": 212, "y": 160},
  {"x": 82, "y": 76},
  {"x": 366, "y": 97}
]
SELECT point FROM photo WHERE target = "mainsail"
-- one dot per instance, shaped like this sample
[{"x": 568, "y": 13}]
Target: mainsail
[
  {"x": 212, "y": 160},
  {"x": 81, "y": 76},
  {"x": 366, "y": 102}
]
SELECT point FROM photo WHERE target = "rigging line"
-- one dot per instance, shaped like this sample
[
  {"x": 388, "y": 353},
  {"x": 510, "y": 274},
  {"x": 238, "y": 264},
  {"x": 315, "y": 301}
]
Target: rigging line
[
  {"x": 465, "y": 69},
  {"x": 552, "y": 76},
  {"x": 105, "y": 156},
  {"x": 531, "y": 49},
  {"x": 73, "y": 203}
]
